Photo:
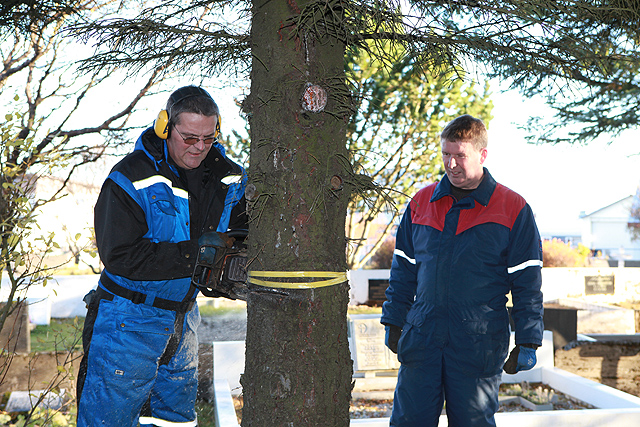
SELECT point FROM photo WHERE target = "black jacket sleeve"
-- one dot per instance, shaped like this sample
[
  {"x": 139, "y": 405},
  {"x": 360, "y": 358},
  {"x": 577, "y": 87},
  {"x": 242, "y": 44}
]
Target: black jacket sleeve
[{"x": 120, "y": 225}]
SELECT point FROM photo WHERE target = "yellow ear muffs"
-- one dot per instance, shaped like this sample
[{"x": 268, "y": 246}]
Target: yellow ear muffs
[
  {"x": 218, "y": 126},
  {"x": 161, "y": 125}
]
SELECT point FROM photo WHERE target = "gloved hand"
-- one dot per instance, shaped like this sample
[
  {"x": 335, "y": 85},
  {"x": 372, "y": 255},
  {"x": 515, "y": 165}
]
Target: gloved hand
[
  {"x": 522, "y": 358},
  {"x": 392, "y": 336},
  {"x": 208, "y": 243}
]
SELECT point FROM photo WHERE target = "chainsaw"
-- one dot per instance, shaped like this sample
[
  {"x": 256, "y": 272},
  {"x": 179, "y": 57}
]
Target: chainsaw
[{"x": 221, "y": 265}]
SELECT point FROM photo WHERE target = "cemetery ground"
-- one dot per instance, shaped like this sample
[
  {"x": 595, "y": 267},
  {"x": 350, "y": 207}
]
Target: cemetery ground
[{"x": 616, "y": 364}]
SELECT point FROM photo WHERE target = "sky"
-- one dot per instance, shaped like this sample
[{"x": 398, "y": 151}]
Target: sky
[{"x": 560, "y": 181}]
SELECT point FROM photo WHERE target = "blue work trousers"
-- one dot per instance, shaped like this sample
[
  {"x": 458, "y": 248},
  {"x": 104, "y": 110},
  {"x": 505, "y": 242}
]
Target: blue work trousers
[
  {"x": 423, "y": 386},
  {"x": 140, "y": 366}
]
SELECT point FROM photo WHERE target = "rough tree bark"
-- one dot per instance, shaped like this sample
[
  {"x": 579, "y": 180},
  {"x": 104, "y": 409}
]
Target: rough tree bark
[{"x": 298, "y": 367}]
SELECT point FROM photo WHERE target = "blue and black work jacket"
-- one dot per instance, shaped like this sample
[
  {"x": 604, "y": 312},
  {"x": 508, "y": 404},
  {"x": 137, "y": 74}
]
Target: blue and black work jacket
[
  {"x": 456, "y": 261},
  {"x": 150, "y": 214}
]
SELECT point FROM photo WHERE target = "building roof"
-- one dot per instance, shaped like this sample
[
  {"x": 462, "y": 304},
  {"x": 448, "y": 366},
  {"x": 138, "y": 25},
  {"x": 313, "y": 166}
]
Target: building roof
[{"x": 602, "y": 209}]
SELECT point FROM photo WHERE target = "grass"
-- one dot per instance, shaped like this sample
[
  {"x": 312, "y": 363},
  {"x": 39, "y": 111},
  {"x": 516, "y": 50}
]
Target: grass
[
  {"x": 59, "y": 335},
  {"x": 210, "y": 309},
  {"x": 364, "y": 309},
  {"x": 65, "y": 334},
  {"x": 206, "y": 414}
]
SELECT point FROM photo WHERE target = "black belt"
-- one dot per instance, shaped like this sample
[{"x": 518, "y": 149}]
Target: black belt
[{"x": 140, "y": 298}]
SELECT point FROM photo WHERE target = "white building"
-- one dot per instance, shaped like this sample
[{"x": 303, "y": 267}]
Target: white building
[{"x": 606, "y": 230}]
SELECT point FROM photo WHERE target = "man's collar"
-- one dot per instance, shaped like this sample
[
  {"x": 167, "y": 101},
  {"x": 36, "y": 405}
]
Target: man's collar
[{"x": 482, "y": 194}]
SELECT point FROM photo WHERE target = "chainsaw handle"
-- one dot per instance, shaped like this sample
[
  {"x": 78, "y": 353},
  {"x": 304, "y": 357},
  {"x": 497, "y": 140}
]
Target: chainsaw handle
[{"x": 238, "y": 234}]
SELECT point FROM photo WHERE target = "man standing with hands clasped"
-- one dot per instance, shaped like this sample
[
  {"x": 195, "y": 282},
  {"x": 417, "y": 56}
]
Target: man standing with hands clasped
[
  {"x": 463, "y": 244},
  {"x": 157, "y": 205}
]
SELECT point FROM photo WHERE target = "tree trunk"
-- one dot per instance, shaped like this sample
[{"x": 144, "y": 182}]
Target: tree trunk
[{"x": 298, "y": 368}]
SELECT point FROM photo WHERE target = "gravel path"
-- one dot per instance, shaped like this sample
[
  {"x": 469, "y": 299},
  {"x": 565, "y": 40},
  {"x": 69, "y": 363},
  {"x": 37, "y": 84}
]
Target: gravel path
[{"x": 228, "y": 327}]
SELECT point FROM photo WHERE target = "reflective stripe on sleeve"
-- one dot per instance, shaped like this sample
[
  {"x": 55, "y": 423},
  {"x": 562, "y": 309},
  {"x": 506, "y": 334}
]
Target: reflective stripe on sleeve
[
  {"x": 159, "y": 179},
  {"x": 163, "y": 423},
  {"x": 530, "y": 263},
  {"x": 403, "y": 255}
]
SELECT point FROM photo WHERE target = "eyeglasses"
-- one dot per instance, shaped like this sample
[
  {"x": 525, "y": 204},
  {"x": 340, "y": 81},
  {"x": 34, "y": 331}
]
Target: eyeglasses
[{"x": 194, "y": 139}]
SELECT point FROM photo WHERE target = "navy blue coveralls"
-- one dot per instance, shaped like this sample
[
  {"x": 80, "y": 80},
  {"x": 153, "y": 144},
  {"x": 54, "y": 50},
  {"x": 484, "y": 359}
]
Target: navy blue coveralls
[
  {"x": 453, "y": 266},
  {"x": 140, "y": 344}
]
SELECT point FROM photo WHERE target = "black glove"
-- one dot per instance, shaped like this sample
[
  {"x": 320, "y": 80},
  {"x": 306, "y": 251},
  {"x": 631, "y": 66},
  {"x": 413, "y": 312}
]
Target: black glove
[
  {"x": 392, "y": 336},
  {"x": 522, "y": 358}
]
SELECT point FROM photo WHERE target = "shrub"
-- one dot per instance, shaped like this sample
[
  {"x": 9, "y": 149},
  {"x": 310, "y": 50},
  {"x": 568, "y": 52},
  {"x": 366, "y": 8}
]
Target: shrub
[
  {"x": 556, "y": 253},
  {"x": 383, "y": 256}
]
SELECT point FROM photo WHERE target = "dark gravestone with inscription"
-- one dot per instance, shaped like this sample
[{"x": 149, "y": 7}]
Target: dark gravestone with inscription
[
  {"x": 563, "y": 322},
  {"x": 377, "y": 287},
  {"x": 599, "y": 285}
]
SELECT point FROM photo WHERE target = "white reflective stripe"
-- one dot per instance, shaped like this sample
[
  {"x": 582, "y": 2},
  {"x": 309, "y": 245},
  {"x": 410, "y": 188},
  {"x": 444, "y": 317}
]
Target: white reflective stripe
[
  {"x": 231, "y": 179},
  {"x": 164, "y": 423},
  {"x": 403, "y": 255},
  {"x": 530, "y": 263},
  {"x": 156, "y": 179}
]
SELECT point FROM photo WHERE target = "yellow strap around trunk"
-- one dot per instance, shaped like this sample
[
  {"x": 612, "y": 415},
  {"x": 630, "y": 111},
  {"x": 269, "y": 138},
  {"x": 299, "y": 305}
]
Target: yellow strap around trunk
[{"x": 332, "y": 278}]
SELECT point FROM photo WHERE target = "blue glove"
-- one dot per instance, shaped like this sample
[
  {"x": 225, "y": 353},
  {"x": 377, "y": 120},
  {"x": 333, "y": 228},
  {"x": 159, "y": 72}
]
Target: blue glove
[
  {"x": 392, "y": 336},
  {"x": 521, "y": 359},
  {"x": 208, "y": 243}
]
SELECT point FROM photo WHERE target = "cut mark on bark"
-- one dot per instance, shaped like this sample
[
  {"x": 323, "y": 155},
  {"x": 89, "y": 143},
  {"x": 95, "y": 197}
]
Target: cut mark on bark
[
  {"x": 336, "y": 182},
  {"x": 314, "y": 98},
  {"x": 280, "y": 386}
]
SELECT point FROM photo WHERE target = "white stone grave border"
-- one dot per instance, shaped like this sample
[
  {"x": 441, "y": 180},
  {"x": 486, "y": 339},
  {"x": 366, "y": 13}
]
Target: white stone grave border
[{"x": 615, "y": 408}]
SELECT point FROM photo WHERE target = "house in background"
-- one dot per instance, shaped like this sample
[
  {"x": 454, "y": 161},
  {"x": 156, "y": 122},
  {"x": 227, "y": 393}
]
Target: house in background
[
  {"x": 605, "y": 230},
  {"x": 569, "y": 236}
]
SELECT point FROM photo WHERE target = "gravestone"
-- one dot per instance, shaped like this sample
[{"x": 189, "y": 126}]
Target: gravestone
[
  {"x": 599, "y": 285},
  {"x": 374, "y": 364},
  {"x": 15, "y": 335},
  {"x": 377, "y": 288},
  {"x": 368, "y": 351},
  {"x": 24, "y": 401},
  {"x": 563, "y": 322}
]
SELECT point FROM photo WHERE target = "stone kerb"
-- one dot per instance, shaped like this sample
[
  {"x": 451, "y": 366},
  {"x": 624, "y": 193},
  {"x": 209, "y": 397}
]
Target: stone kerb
[
  {"x": 596, "y": 318},
  {"x": 615, "y": 408},
  {"x": 375, "y": 367},
  {"x": 225, "y": 411},
  {"x": 228, "y": 363},
  {"x": 599, "y": 395},
  {"x": 556, "y": 283}
]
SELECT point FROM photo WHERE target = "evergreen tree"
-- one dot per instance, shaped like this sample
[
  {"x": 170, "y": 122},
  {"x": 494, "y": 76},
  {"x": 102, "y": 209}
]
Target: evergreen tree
[
  {"x": 298, "y": 370},
  {"x": 394, "y": 139}
]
